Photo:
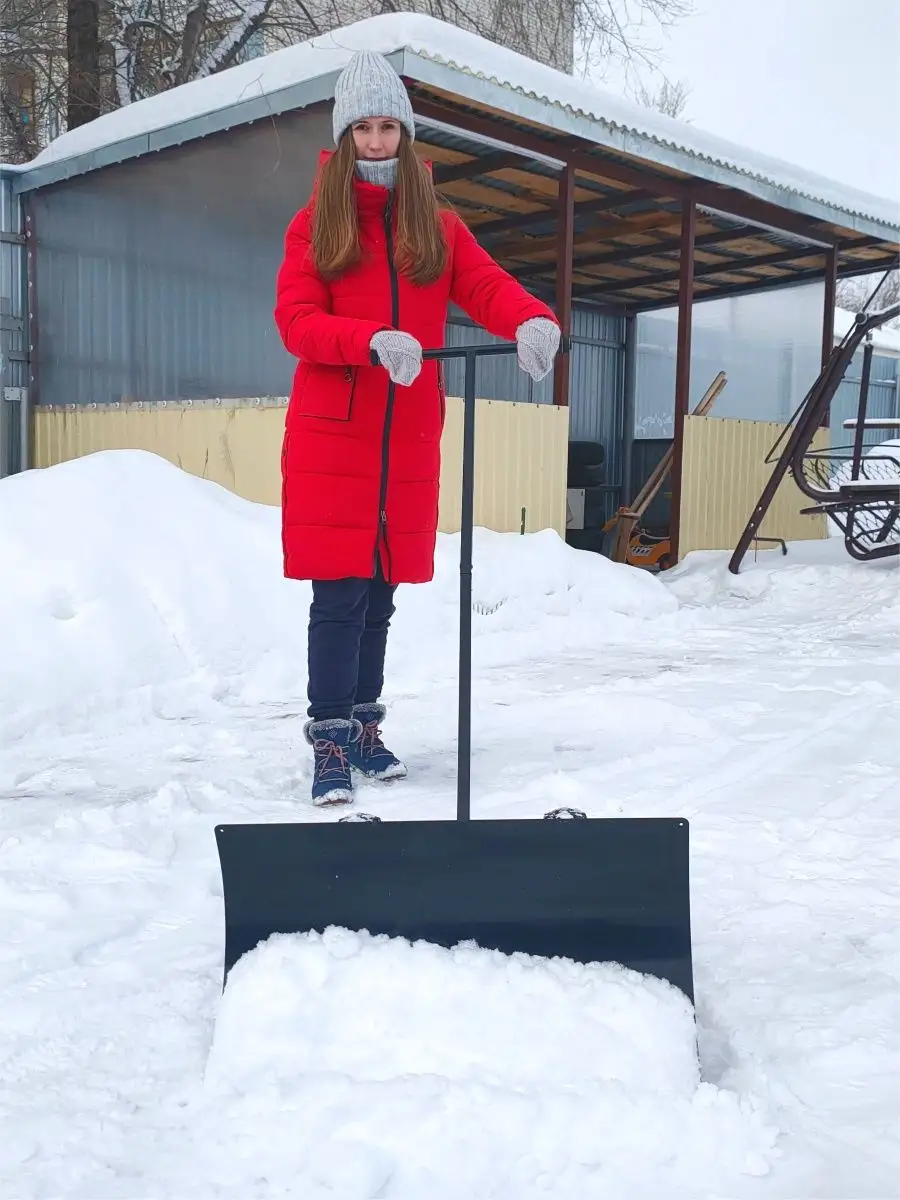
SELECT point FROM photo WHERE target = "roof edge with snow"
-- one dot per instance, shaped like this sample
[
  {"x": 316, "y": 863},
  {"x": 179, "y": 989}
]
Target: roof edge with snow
[{"x": 436, "y": 54}]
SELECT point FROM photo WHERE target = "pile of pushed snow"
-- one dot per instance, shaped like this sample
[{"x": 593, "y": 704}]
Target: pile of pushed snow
[
  {"x": 816, "y": 581},
  {"x": 120, "y": 570},
  {"x": 353, "y": 1066}
]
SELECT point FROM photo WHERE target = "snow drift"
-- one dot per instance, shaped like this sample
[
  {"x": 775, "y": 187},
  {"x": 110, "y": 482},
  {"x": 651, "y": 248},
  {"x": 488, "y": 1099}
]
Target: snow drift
[
  {"x": 143, "y": 610},
  {"x": 122, "y": 571},
  {"x": 363, "y": 1067}
]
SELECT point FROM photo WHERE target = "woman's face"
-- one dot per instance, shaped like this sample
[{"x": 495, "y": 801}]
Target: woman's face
[{"x": 377, "y": 137}]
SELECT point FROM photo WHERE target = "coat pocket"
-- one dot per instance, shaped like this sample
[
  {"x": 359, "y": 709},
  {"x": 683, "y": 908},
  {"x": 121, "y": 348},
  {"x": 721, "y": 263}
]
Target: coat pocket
[{"x": 326, "y": 392}]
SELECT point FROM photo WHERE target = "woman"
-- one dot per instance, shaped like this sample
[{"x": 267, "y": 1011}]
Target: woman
[{"x": 369, "y": 268}]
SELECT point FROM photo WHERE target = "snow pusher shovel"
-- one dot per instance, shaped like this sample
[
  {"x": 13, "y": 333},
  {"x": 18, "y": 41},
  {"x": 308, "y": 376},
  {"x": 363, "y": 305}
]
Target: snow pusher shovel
[{"x": 592, "y": 890}]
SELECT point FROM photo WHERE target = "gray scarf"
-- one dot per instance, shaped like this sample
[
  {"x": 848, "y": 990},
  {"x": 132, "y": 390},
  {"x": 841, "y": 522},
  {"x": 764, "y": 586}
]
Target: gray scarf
[{"x": 382, "y": 171}]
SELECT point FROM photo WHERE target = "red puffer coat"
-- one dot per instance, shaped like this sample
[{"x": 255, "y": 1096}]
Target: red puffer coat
[{"x": 361, "y": 456}]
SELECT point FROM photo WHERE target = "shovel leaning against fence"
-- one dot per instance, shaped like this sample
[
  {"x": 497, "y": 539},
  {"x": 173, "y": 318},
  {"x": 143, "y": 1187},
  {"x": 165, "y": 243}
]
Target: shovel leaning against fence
[{"x": 626, "y": 520}]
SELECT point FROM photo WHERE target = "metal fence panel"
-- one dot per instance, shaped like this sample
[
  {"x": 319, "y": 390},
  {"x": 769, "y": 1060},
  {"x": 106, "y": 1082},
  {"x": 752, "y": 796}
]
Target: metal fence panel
[
  {"x": 13, "y": 330},
  {"x": 883, "y": 401}
]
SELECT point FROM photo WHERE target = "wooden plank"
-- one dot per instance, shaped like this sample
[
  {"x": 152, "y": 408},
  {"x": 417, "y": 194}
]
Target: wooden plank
[
  {"x": 626, "y": 519},
  {"x": 528, "y": 250},
  {"x": 493, "y": 198}
]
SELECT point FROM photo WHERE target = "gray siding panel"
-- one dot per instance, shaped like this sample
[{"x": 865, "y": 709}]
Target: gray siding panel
[
  {"x": 14, "y": 367},
  {"x": 596, "y": 379},
  {"x": 150, "y": 303},
  {"x": 884, "y": 400},
  {"x": 13, "y": 305},
  {"x": 156, "y": 280}
]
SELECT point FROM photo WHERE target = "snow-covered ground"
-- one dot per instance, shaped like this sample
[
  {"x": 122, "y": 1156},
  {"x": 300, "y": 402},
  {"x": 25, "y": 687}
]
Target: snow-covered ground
[{"x": 152, "y": 677}]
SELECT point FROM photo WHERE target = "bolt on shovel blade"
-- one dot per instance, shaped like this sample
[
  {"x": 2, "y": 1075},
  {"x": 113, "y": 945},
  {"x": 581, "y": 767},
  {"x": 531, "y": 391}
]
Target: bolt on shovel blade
[{"x": 593, "y": 890}]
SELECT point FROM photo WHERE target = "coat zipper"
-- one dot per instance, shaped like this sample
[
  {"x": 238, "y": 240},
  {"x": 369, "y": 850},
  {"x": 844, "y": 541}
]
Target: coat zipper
[{"x": 389, "y": 412}]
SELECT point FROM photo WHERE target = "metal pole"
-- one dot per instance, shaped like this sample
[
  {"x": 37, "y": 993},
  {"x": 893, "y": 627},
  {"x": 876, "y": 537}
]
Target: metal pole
[
  {"x": 628, "y": 398},
  {"x": 471, "y": 354},
  {"x": 565, "y": 249},
  {"x": 831, "y": 269},
  {"x": 24, "y": 431},
  {"x": 464, "y": 753},
  {"x": 862, "y": 407},
  {"x": 831, "y": 265},
  {"x": 682, "y": 364}
]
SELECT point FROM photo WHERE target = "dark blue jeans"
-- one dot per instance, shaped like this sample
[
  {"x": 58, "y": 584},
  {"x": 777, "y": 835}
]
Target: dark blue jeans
[{"x": 348, "y": 628}]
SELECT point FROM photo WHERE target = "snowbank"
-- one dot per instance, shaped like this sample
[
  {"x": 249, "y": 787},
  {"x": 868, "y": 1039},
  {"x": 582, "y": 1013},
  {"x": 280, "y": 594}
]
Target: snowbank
[
  {"x": 764, "y": 709},
  {"x": 816, "y": 580},
  {"x": 122, "y": 571},
  {"x": 359, "y": 1066}
]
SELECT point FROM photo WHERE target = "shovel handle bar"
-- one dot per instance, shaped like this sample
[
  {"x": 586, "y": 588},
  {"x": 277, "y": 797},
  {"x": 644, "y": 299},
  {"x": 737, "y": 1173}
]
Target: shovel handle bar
[
  {"x": 470, "y": 354},
  {"x": 445, "y": 353}
]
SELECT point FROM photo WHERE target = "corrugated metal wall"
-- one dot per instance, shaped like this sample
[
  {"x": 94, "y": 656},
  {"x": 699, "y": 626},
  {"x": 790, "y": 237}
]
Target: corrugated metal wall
[
  {"x": 13, "y": 327},
  {"x": 596, "y": 378},
  {"x": 155, "y": 280},
  {"x": 521, "y": 452},
  {"x": 723, "y": 474},
  {"x": 883, "y": 401}
]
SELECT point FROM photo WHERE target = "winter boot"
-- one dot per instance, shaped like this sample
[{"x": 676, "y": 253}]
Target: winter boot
[
  {"x": 368, "y": 754},
  {"x": 331, "y": 742}
]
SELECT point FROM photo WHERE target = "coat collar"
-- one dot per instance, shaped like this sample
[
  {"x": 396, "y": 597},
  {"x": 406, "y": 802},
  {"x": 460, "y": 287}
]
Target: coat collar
[{"x": 371, "y": 198}]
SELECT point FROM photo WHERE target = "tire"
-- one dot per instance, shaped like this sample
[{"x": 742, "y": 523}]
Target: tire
[{"x": 586, "y": 464}]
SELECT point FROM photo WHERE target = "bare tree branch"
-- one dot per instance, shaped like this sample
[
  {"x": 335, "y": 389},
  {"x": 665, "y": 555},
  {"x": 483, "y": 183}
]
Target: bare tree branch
[
  {"x": 669, "y": 98},
  {"x": 853, "y": 294},
  {"x": 144, "y": 47}
]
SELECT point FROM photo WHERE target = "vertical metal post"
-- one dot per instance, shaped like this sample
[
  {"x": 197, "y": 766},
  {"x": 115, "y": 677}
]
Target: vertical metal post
[
  {"x": 862, "y": 408},
  {"x": 629, "y": 382},
  {"x": 565, "y": 244},
  {"x": 682, "y": 363},
  {"x": 464, "y": 753},
  {"x": 831, "y": 264},
  {"x": 830, "y": 300}
]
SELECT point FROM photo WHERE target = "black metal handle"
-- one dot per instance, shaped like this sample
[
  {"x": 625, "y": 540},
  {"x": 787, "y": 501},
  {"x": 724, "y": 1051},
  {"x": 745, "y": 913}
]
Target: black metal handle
[
  {"x": 471, "y": 354},
  {"x": 444, "y": 353}
]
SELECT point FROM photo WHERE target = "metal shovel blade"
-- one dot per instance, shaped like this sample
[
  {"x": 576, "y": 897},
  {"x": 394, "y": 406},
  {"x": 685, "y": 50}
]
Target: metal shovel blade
[{"x": 595, "y": 890}]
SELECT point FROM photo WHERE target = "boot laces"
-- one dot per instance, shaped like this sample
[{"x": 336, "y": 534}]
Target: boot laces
[
  {"x": 370, "y": 739},
  {"x": 331, "y": 759}
]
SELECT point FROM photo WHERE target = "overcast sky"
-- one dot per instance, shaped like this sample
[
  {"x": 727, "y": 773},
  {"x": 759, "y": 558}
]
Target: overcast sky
[{"x": 816, "y": 82}]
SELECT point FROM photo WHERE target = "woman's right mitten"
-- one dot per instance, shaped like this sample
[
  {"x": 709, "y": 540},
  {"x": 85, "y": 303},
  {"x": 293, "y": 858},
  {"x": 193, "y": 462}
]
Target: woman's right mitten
[{"x": 399, "y": 353}]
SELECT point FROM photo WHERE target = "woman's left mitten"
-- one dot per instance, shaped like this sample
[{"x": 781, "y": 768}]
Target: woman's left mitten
[
  {"x": 399, "y": 353},
  {"x": 538, "y": 342}
]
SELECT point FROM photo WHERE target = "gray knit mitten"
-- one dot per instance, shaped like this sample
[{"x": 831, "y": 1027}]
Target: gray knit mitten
[
  {"x": 538, "y": 341},
  {"x": 399, "y": 353}
]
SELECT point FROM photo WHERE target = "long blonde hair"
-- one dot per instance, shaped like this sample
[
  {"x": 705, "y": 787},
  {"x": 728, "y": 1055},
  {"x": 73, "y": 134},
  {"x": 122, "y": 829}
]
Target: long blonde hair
[{"x": 421, "y": 249}]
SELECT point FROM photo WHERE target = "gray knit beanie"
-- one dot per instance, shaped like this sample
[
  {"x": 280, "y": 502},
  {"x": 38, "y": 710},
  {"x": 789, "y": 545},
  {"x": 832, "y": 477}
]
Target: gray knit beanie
[{"x": 370, "y": 87}]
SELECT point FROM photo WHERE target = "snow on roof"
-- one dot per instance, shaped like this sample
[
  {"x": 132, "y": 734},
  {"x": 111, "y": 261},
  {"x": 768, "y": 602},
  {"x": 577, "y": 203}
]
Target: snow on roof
[
  {"x": 885, "y": 340},
  {"x": 469, "y": 55}
]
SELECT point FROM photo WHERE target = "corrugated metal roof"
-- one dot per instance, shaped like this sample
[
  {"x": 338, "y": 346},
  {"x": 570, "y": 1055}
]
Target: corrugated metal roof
[
  {"x": 633, "y": 128},
  {"x": 434, "y": 52}
]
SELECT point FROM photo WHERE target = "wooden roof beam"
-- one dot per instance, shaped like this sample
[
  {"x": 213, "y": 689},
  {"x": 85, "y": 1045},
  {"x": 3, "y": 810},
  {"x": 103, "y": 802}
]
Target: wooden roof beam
[
  {"x": 753, "y": 287},
  {"x": 575, "y": 151},
  {"x": 626, "y": 254},
  {"x": 487, "y": 164},
  {"x": 601, "y": 204},
  {"x": 640, "y": 223},
  {"x": 565, "y": 151},
  {"x": 735, "y": 266}
]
